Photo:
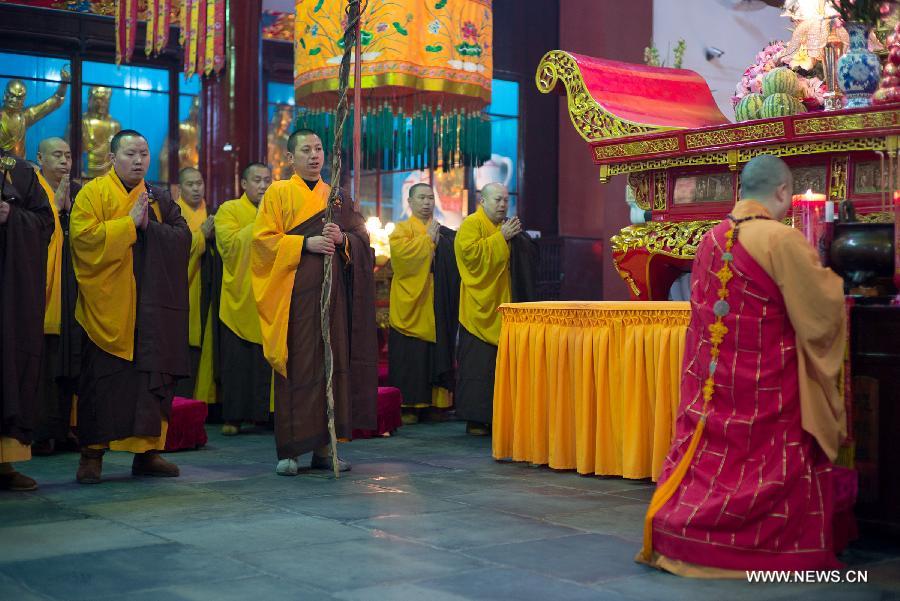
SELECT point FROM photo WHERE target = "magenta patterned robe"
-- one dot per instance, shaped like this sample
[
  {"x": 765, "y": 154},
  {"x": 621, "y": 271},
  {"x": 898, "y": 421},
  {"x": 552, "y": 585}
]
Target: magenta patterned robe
[{"x": 758, "y": 494}]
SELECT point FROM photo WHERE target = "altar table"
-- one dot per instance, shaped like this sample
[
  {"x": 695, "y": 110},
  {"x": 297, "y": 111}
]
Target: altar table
[{"x": 590, "y": 386}]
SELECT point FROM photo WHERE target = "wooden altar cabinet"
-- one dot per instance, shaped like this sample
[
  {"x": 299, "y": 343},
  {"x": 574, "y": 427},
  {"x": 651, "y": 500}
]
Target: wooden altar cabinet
[{"x": 662, "y": 129}]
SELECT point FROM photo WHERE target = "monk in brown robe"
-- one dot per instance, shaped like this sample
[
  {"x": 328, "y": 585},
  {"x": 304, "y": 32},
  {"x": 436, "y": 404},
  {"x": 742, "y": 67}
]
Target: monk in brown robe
[
  {"x": 62, "y": 334},
  {"x": 130, "y": 248},
  {"x": 290, "y": 242},
  {"x": 193, "y": 208},
  {"x": 26, "y": 223}
]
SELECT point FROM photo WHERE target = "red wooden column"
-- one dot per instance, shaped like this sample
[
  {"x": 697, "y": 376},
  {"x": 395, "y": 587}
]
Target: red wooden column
[{"x": 231, "y": 115}]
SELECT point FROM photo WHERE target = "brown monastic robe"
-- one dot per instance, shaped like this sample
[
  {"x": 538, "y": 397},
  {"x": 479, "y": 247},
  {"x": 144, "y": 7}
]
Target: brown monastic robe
[
  {"x": 23, "y": 273},
  {"x": 120, "y": 398}
]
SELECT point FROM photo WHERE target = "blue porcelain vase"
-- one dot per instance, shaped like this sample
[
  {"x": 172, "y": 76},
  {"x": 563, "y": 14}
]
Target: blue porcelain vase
[{"x": 858, "y": 70}]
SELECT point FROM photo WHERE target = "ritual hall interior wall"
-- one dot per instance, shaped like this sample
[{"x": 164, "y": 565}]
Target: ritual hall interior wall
[
  {"x": 738, "y": 30},
  {"x": 591, "y": 212}
]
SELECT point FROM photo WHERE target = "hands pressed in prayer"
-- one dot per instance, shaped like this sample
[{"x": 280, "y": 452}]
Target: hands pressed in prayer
[
  {"x": 511, "y": 228},
  {"x": 61, "y": 195},
  {"x": 434, "y": 230},
  {"x": 320, "y": 245},
  {"x": 4, "y": 212},
  {"x": 333, "y": 232},
  {"x": 139, "y": 213},
  {"x": 208, "y": 227}
]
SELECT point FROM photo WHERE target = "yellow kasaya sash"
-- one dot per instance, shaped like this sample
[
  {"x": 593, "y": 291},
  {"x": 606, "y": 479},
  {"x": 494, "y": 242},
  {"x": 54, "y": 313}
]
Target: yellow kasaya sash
[
  {"x": 412, "y": 286},
  {"x": 194, "y": 218},
  {"x": 482, "y": 255},
  {"x": 275, "y": 255},
  {"x": 102, "y": 234},
  {"x": 53, "y": 302},
  {"x": 234, "y": 233}
]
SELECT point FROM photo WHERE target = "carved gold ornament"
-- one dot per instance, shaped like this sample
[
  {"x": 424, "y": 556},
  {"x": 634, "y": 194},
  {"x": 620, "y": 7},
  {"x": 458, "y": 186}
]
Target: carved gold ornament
[
  {"x": 840, "y": 123},
  {"x": 640, "y": 187},
  {"x": 673, "y": 239},
  {"x": 733, "y": 135},
  {"x": 593, "y": 122}
]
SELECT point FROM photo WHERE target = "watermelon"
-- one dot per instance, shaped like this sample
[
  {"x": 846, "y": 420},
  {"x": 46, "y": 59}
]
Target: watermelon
[
  {"x": 781, "y": 81},
  {"x": 749, "y": 107},
  {"x": 781, "y": 105}
]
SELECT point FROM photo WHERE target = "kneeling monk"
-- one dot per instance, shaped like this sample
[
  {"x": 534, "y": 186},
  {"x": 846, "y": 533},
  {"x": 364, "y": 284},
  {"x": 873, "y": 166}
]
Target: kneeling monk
[
  {"x": 290, "y": 241},
  {"x": 130, "y": 248},
  {"x": 748, "y": 483}
]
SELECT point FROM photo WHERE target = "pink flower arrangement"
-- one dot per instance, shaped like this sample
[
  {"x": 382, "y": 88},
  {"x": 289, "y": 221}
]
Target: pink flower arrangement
[{"x": 771, "y": 57}]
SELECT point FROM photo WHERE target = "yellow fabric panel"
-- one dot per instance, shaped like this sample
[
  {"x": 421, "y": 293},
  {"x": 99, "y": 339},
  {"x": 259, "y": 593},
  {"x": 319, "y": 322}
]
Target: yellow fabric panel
[
  {"x": 412, "y": 286},
  {"x": 205, "y": 386},
  {"x": 482, "y": 255},
  {"x": 441, "y": 398},
  {"x": 11, "y": 450},
  {"x": 234, "y": 232},
  {"x": 53, "y": 302},
  {"x": 101, "y": 235},
  {"x": 275, "y": 255},
  {"x": 589, "y": 386},
  {"x": 194, "y": 218},
  {"x": 432, "y": 47},
  {"x": 138, "y": 444}
]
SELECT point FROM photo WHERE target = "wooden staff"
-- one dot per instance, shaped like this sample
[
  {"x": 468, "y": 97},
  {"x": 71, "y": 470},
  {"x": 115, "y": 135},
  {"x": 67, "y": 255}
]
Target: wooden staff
[{"x": 350, "y": 35}]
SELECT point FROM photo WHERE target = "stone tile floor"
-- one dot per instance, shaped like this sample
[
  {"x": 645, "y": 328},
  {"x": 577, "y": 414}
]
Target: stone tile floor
[{"x": 426, "y": 514}]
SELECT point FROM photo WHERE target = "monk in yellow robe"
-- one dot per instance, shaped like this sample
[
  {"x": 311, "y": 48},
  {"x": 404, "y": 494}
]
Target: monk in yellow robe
[
  {"x": 193, "y": 208},
  {"x": 246, "y": 376},
  {"x": 62, "y": 335},
  {"x": 287, "y": 254},
  {"x": 130, "y": 246},
  {"x": 497, "y": 264},
  {"x": 424, "y": 309},
  {"x": 26, "y": 223}
]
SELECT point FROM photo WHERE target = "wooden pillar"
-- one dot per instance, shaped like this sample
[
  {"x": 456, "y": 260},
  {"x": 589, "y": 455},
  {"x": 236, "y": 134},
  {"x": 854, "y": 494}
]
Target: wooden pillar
[{"x": 231, "y": 115}]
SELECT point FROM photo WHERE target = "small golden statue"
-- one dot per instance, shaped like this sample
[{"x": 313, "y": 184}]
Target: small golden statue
[
  {"x": 97, "y": 129},
  {"x": 15, "y": 119},
  {"x": 279, "y": 132},
  {"x": 188, "y": 142}
]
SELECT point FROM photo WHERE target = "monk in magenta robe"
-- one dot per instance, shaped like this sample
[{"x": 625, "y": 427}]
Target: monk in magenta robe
[{"x": 749, "y": 483}]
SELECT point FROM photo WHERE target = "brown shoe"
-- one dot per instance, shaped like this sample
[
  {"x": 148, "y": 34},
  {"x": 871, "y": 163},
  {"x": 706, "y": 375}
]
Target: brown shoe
[
  {"x": 90, "y": 466},
  {"x": 17, "y": 482},
  {"x": 151, "y": 464}
]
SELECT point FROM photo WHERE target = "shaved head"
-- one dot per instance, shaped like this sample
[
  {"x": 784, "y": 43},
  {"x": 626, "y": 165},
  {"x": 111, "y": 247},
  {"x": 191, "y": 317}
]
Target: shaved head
[
  {"x": 48, "y": 144},
  {"x": 769, "y": 181},
  {"x": 55, "y": 159},
  {"x": 495, "y": 201}
]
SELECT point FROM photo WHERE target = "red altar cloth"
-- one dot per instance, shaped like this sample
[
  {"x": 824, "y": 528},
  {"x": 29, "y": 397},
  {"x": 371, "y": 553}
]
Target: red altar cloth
[
  {"x": 654, "y": 96},
  {"x": 760, "y": 494}
]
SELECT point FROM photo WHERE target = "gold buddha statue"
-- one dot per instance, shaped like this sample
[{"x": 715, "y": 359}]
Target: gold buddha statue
[
  {"x": 188, "y": 142},
  {"x": 97, "y": 129},
  {"x": 15, "y": 119},
  {"x": 279, "y": 132}
]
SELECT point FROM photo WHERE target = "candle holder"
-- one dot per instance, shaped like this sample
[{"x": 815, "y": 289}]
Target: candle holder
[{"x": 813, "y": 215}]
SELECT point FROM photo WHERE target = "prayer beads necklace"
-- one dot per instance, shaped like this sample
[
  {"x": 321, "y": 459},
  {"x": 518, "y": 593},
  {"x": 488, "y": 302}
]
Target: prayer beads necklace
[{"x": 721, "y": 308}]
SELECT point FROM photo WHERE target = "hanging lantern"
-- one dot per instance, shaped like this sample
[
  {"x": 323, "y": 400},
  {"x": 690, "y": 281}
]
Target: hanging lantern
[{"x": 427, "y": 67}]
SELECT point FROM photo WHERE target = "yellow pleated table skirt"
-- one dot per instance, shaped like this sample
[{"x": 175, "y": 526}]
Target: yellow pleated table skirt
[{"x": 590, "y": 386}]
